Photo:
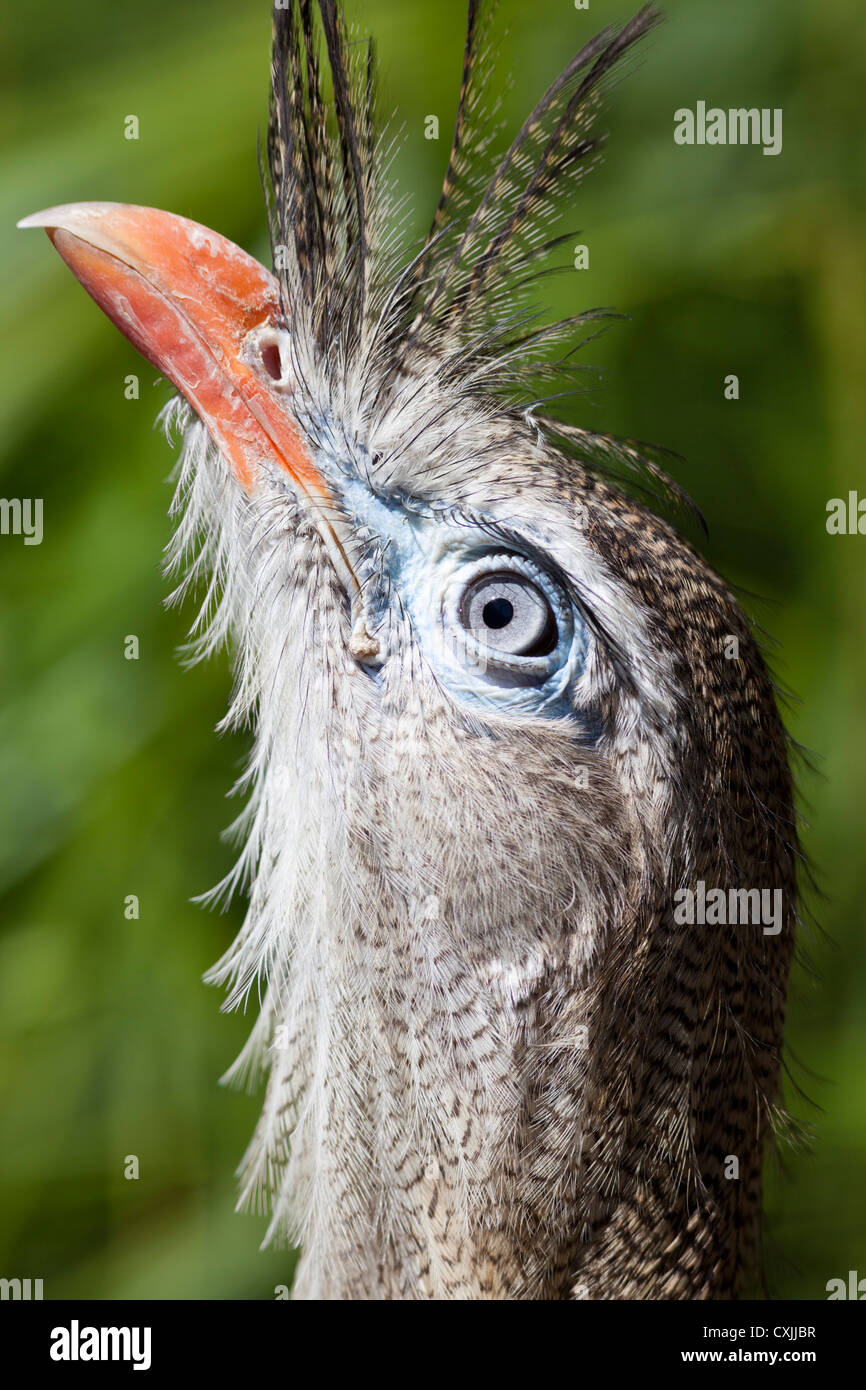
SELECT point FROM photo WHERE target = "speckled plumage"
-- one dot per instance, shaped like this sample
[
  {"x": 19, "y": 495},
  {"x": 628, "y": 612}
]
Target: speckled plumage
[{"x": 497, "y": 1066}]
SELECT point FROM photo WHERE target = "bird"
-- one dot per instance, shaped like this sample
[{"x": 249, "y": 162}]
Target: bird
[{"x": 504, "y": 717}]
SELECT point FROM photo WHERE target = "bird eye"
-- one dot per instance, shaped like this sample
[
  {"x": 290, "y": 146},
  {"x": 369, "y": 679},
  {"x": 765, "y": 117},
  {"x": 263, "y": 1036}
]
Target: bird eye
[
  {"x": 510, "y": 625},
  {"x": 507, "y": 613}
]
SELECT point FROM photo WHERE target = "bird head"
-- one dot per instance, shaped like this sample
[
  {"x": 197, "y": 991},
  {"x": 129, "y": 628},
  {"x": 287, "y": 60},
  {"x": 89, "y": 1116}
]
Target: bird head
[{"x": 496, "y": 726}]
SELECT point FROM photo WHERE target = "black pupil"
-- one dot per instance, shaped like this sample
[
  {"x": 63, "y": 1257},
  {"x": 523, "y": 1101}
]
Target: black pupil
[{"x": 498, "y": 612}]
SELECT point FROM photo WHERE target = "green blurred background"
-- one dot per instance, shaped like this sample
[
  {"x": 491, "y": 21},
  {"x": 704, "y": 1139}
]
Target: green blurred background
[{"x": 111, "y": 779}]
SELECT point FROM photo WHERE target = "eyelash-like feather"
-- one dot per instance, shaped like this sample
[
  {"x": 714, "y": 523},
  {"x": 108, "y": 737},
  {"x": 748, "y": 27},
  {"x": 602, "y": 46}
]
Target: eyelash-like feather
[{"x": 458, "y": 315}]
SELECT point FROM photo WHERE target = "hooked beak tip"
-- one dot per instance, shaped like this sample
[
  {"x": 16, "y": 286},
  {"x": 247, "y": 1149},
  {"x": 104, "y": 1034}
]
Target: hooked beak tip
[
  {"x": 187, "y": 299},
  {"x": 36, "y": 219},
  {"x": 67, "y": 215}
]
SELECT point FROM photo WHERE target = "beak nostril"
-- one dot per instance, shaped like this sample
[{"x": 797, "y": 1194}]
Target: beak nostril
[{"x": 271, "y": 361}]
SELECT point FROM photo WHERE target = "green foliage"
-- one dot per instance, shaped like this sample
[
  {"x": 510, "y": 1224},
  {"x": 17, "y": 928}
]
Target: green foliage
[{"x": 111, "y": 780}]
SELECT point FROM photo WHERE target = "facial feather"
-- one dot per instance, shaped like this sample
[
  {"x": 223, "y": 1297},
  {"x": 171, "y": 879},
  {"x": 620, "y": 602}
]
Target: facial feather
[{"x": 497, "y": 1066}]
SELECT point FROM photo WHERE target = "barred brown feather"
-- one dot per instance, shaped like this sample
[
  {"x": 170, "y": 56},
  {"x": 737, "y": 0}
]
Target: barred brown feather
[{"x": 497, "y": 1064}]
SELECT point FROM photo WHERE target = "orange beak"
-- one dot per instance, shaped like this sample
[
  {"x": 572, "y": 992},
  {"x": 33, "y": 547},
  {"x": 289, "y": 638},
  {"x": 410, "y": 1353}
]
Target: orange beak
[{"x": 187, "y": 299}]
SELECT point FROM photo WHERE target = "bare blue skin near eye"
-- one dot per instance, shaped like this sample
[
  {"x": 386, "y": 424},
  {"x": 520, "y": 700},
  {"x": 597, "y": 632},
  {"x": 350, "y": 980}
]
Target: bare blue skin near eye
[{"x": 429, "y": 560}]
